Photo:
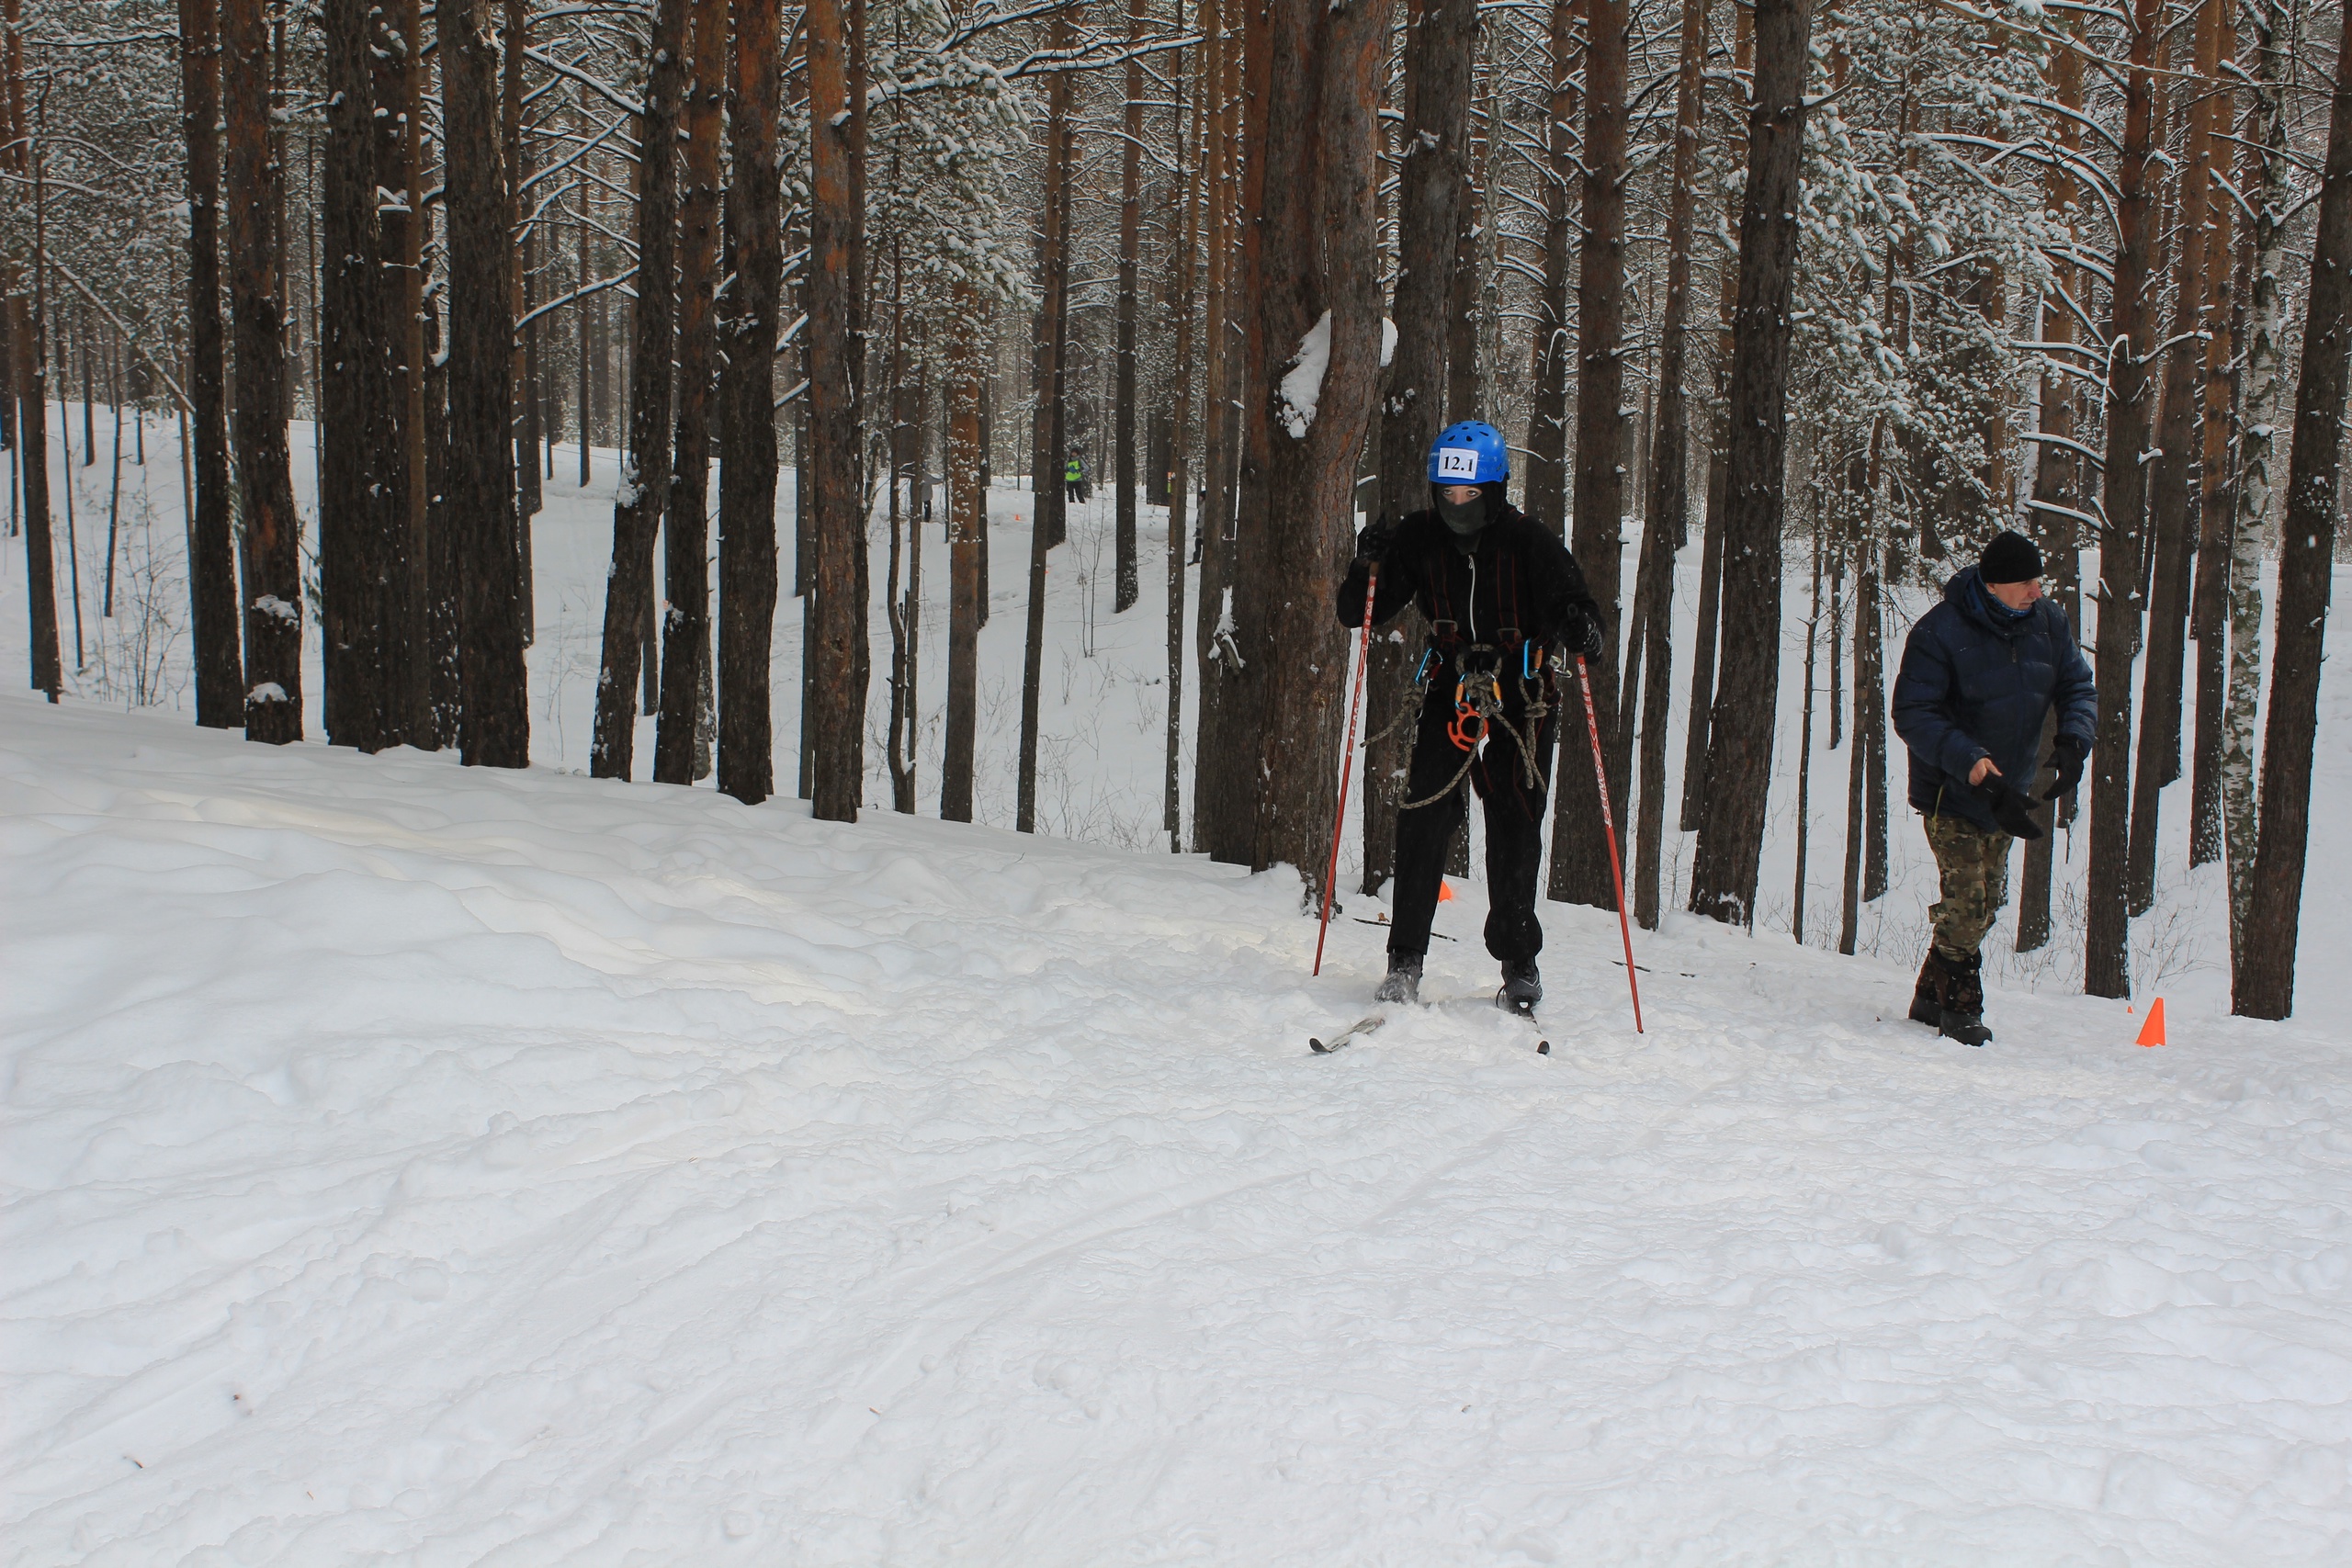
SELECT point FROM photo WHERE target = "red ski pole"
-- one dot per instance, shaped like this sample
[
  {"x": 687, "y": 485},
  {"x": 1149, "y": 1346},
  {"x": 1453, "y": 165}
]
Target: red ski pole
[
  {"x": 1347, "y": 763},
  {"x": 1608, "y": 825}
]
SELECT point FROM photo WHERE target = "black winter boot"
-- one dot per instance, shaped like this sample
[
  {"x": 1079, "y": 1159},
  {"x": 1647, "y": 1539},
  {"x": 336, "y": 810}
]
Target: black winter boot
[
  {"x": 1522, "y": 987},
  {"x": 1928, "y": 996},
  {"x": 1963, "y": 1017},
  {"x": 1404, "y": 981}
]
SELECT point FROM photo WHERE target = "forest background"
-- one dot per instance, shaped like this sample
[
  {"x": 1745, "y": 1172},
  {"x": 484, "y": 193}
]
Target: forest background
[{"x": 1774, "y": 302}]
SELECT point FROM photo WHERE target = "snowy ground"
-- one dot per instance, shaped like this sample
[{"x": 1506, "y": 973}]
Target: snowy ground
[{"x": 400, "y": 1161}]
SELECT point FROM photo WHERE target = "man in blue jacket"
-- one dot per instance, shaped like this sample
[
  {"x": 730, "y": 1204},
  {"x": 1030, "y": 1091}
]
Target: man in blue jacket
[
  {"x": 1502, "y": 597},
  {"x": 1981, "y": 672}
]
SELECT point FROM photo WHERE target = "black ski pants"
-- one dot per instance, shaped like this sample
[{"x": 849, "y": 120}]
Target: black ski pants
[{"x": 1514, "y": 830}]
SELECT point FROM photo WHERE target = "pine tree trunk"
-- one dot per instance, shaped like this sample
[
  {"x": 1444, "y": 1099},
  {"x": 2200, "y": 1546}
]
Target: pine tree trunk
[
  {"x": 1580, "y": 869},
  {"x": 645, "y": 464},
  {"x": 1220, "y": 757},
  {"x": 2264, "y": 986},
  {"x": 2210, "y": 608},
  {"x": 685, "y": 627},
  {"x": 212, "y": 559},
  {"x": 836, "y": 718},
  {"x": 1127, "y": 585},
  {"x": 2058, "y": 496},
  {"x": 2171, "y": 497},
  {"x": 1180, "y": 429},
  {"x": 2106, "y": 961},
  {"x": 397, "y": 73},
  {"x": 1315, "y": 232},
  {"x": 359, "y": 513},
  {"x": 1805, "y": 747},
  {"x": 1669, "y": 506},
  {"x": 967, "y": 495},
  {"x": 494, "y": 728},
  {"x": 747, "y": 436},
  {"x": 273, "y": 528},
  {"x": 1706, "y": 634},
  {"x": 1739, "y": 759},
  {"x": 1047, "y": 430},
  {"x": 1429, "y": 202},
  {"x": 1546, "y": 496},
  {"x": 2270, "y": 192}
]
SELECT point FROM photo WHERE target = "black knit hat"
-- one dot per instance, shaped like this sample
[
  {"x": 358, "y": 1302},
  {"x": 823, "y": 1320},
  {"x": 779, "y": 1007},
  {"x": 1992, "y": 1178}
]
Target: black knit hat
[{"x": 2010, "y": 558}]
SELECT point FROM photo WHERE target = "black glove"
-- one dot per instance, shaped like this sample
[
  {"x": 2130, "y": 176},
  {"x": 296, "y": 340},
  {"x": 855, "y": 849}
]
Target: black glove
[
  {"x": 1371, "y": 545},
  {"x": 2012, "y": 808},
  {"x": 2067, "y": 757},
  {"x": 1580, "y": 634}
]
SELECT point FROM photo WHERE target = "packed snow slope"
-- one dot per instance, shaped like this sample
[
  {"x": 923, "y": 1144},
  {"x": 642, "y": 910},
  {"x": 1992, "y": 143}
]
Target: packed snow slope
[{"x": 409, "y": 1163}]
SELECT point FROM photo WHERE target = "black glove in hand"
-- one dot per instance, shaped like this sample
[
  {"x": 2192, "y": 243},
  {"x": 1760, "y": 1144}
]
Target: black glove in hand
[
  {"x": 1580, "y": 635},
  {"x": 2012, "y": 808},
  {"x": 2068, "y": 760},
  {"x": 1371, "y": 545}
]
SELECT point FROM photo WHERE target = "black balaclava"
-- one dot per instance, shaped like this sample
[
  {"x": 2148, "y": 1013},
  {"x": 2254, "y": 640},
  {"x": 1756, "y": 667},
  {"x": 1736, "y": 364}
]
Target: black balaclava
[{"x": 1463, "y": 522}]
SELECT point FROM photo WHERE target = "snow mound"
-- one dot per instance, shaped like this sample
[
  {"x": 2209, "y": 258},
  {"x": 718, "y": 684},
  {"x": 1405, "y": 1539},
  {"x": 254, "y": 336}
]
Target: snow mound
[{"x": 408, "y": 1161}]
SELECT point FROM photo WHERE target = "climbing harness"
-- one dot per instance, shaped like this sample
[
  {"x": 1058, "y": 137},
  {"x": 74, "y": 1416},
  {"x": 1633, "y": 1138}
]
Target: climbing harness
[{"x": 1479, "y": 707}]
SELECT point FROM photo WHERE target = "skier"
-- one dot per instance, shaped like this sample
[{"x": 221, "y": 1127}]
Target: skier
[
  {"x": 1502, "y": 597},
  {"x": 1074, "y": 479},
  {"x": 1981, "y": 672}
]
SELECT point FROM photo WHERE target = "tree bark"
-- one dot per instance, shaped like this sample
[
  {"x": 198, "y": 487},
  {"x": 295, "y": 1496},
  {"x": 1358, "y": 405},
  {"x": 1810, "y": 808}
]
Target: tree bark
[
  {"x": 1668, "y": 521},
  {"x": 401, "y": 224},
  {"x": 2271, "y": 193},
  {"x": 1547, "y": 489},
  {"x": 1046, "y": 429},
  {"x": 1318, "y": 272},
  {"x": 2106, "y": 962},
  {"x": 212, "y": 553},
  {"x": 2058, "y": 494},
  {"x": 273, "y": 528},
  {"x": 2210, "y": 607},
  {"x": 360, "y": 545},
  {"x": 836, "y": 719},
  {"x": 1705, "y": 635},
  {"x": 495, "y": 725},
  {"x": 1179, "y": 472},
  {"x": 1436, "y": 161},
  {"x": 1731, "y": 832},
  {"x": 685, "y": 629},
  {"x": 644, "y": 489},
  {"x": 1127, "y": 587},
  {"x": 2264, "y": 986},
  {"x": 747, "y": 440},
  {"x": 1219, "y": 807},
  {"x": 967, "y": 495},
  {"x": 1580, "y": 861},
  {"x": 2170, "y": 488}
]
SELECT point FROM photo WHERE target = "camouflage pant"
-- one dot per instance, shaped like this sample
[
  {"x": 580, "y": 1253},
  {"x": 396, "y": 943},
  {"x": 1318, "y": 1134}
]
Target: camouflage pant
[{"x": 1974, "y": 865}]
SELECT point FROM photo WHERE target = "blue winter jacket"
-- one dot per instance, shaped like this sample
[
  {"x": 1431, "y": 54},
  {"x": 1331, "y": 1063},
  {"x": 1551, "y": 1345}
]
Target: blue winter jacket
[{"x": 1976, "y": 682}]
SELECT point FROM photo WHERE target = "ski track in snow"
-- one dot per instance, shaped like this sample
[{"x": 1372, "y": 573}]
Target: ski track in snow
[{"x": 404, "y": 1162}]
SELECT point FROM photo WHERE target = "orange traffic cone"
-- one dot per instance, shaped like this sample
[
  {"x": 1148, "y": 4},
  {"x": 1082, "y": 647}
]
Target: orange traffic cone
[
  {"x": 1444, "y": 891},
  {"x": 2152, "y": 1032}
]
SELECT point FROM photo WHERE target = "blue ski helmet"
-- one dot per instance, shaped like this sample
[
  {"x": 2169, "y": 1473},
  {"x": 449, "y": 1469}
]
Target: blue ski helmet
[{"x": 1471, "y": 453}]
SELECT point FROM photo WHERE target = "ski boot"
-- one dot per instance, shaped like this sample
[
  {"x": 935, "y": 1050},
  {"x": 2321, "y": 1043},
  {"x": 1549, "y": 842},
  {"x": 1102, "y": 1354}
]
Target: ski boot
[
  {"x": 1964, "y": 1010},
  {"x": 1928, "y": 996},
  {"x": 1522, "y": 988},
  {"x": 1404, "y": 981}
]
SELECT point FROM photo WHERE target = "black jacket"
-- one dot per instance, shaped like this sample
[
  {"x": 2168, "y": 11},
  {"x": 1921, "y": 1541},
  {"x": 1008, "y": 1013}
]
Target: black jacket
[
  {"x": 1977, "y": 683},
  {"x": 1518, "y": 583}
]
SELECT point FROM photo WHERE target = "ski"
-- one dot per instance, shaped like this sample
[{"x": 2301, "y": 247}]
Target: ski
[
  {"x": 1364, "y": 1026},
  {"x": 1355, "y": 1031}
]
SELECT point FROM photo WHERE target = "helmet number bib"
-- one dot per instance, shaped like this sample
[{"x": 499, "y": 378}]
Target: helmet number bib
[{"x": 1457, "y": 463}]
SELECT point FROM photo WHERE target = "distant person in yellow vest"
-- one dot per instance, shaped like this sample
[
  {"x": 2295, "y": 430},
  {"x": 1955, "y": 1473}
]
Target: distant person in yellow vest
[{"x": 1074, "y": 479}]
